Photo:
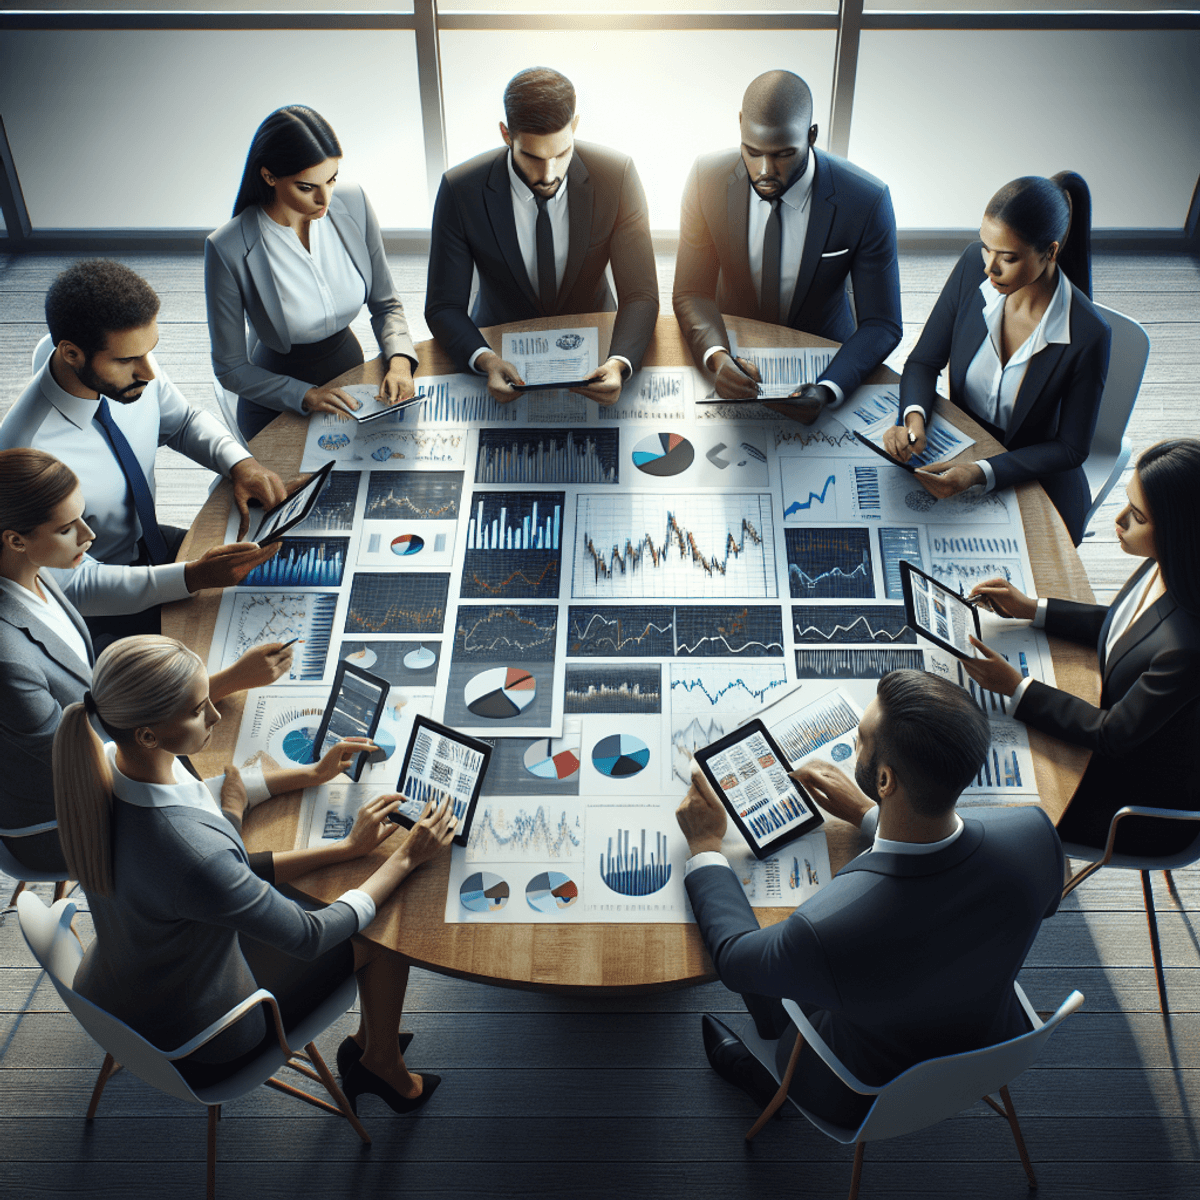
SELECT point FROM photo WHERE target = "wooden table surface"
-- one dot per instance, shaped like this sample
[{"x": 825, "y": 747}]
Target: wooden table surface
[{"x": 592, "y": 959}]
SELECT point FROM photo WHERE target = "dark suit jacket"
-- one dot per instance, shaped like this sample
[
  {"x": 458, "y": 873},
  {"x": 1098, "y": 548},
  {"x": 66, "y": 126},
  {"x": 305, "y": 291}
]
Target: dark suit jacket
[
  {"x": 1055, "y": 414},
  {"x": 473, "y": 228},
  {"x": 899, "y": 958},
  {"x": 851, "y": 232},
  {"x": 1143, "y": 734}
]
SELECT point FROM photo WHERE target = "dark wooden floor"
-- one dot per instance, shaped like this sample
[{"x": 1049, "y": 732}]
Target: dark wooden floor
[{"x": 550, "y": 1097}]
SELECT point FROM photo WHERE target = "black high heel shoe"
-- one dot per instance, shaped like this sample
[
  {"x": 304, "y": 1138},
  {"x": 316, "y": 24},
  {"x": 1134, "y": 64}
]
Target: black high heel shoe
[
  {"x": 349, "y": 1052},
  {"x": 360, "y": 1081}
]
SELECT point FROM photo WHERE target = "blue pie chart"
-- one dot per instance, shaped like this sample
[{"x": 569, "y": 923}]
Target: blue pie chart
[
  {"x": 298, "y": 743},
  {"x": 663, "y": 454},
  {"x": 620, "y": 755},
  {"x": 483, "y": 892}
]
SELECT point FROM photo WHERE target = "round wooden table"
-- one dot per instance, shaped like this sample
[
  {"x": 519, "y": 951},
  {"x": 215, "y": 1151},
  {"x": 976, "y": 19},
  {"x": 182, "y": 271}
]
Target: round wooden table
[{"x": 592, "y": 959}]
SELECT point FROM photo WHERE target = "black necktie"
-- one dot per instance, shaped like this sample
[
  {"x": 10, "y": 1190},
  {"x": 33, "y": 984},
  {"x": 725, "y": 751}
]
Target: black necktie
[
  {"x": 547, "y": 281},
  {"x": 772, "y": 237}
]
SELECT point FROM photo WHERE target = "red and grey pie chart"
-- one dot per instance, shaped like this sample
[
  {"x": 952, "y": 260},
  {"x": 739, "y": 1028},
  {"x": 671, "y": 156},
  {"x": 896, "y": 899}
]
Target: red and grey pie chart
[
  {"x": 408, "y": 543},
  {"x": 553, "y": 758},
  {"x": 483, "y": 892},
  {"x": 550, "y": 891},
  {"x": 620, "y": 755},
  {"x": 500, "y": 692},
  {"x": 663, "y": 454}
]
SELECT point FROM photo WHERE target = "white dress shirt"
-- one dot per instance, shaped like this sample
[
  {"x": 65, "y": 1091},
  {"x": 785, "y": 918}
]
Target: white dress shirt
[
  {"x": 52, "y": 614},
  {"x": 51, "y": 419},
  {"x": 320, "y": 288},
  {"x": 189, "y": 792}
]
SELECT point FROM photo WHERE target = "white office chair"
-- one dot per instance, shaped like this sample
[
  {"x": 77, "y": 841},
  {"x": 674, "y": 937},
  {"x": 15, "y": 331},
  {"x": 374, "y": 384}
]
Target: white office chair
[
  {"x": 1166, "y": 863},
  {"x": 10, "y": 865},
  {"x": 228, "y": 404},
  {"x": 923, "y": 1095},
  {"x": 1110, "y": 447},
  {"x": 41, "y": 352},
  {"x": 48, "y": 934}
]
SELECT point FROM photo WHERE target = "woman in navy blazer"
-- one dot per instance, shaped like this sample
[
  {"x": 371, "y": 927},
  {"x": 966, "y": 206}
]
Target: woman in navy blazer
[
  {"x": 1143, "y": 734},
  {"x": 1027, "y": 350},
  {"x": 288, "y": 179}
]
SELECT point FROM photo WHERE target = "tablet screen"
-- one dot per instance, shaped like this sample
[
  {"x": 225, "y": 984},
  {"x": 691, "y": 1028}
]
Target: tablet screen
[
  {"x": 293, "y": 510},
  {"x": 870, "y": 445},
  {"x": 937, "y": 613},
  {"x": 355, "y": 706},
  {"x": 441, "y": 762}
]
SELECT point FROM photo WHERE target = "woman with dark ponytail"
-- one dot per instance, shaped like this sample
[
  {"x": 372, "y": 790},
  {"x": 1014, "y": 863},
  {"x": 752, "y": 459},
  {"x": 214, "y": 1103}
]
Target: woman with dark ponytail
[
  {"x": 1027, "y": 350},
  {"x": 1144, "y": 732}
]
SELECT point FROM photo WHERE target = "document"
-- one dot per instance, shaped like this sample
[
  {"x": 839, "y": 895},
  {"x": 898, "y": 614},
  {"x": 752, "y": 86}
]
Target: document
[{"x": 553, "y": 355}]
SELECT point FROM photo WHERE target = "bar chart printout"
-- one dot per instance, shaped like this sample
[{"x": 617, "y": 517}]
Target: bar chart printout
[
  {"x": 509, "y": 521},
  {"x": 827, "y": 725},
  {"x": 548, "y": 456},
  {"x": 636, "y": 869}
]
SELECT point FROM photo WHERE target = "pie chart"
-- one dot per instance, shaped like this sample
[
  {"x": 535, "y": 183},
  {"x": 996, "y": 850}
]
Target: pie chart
[
  {"x": 500, "y": 692},
  {"x": 408, "y": 543},
  {"x": 550, "y": 891},
  {"x": 620, "y": 755},
  {"x": 365, "y": 658},
  {"x": 298, "y": 743},
  {"x": 420, "y": 659},
  {"x": 483, "y": 892},
  {"x": 553, "y": 758},
  {"x": 663, "y": 454}
]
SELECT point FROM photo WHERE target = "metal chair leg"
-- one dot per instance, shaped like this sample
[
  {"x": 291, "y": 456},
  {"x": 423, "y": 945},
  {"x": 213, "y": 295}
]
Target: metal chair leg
[
  {"x": 856, "y": 1175},
  {"x": 107, "y": 1070},
  {"x": 61, "y": 888},
  {"x": 12, "y": 900},
  {"x": 780, "y": 1096},
  {"x": 1010, "y": 1113},
  {"x": 1152, "y": 921}
]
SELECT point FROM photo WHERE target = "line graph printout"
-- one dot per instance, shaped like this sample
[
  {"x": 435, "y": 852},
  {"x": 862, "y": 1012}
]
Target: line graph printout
[
  {"x": 830, "y": 563},
  {"x": 964, "y": 571},
  {"x": 641, "y": 546},
  {"x": 247, "y": 619},
  {"x": 847, "y": 662},
  {"x": 523, "y": 633},
  {"x": 359, "y": 446},
  {"x": 827, "y": 436},
  {"x": 703, "y": 689},
  {"x": 858, "y": 624},
  {"x": 814, "y": 488},
  {"x": 626, "y": 688},
  {"x": 680, "y": 631},
  {"x": 525, "y": 830},
  {"x": 805, "y": 727},
  {"x": 392, "y": 603},
  {"x": 511, "y": 456},
  {"x": 652, "y": 394},
  {"x": 551, "y": 355}
]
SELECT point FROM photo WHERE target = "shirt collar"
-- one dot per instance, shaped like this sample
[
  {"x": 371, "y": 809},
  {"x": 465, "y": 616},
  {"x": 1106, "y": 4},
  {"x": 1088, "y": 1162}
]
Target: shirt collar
[
  {"x": 884, "y": 846},
  {"x": 1055, "y": 325},
  {"x": 186, "y": 792},
  {"x": 523, "y": 192},
  {"x": 76, "y": 409},
  {"x": 800, "y": 193}
]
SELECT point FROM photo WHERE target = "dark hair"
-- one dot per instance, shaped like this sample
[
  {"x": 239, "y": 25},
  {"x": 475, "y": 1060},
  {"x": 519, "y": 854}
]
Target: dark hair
[
  {"x": 933, "y": 735},
  {"x": 95, "y": 297},
  {"x": 289, "y": 141},
  {"x": 1059, "y": 209},
  {"x": 1169, "y": 472},
  {"x": 777, "y": 98},
  {"x": 32, "y": 484},
  {"x": 538, "y": 100}
]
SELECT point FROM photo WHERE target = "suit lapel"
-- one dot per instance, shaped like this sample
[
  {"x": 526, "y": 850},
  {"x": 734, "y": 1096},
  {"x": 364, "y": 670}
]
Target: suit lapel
[
  {"x": 1141, "y": 629},
  {"x": 50, "y": 644},
  {"x": 1106, "y": 625},
  {"x": 966, "y": 344},
  {"x": 76, "y": 619},
  {"x": 581, "y": 199},
  {"x": 258, "y": 266},
  {"x": 739, "y": 283},
  {"x": 352, "y": 238},
  {"x": 822, "y": 209},
  {"x": 497, "y": 199},
  {"x": 1036, "y": 376}
]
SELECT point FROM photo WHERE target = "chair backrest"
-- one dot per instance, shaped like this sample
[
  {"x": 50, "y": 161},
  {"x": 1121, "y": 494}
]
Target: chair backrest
[
  {"x": 41, "y": 352},
  {"x": 227, "y": 402},
  {"x": 48, "y": 934},
  {"x": 11, "y": 865},
  {"x": 1126, "y": 366},
  {"x": 940, "y": 1087}
]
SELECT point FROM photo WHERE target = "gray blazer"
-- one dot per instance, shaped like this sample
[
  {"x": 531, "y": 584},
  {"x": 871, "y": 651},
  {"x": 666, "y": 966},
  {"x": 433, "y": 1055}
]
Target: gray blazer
[
  {"x": 41, "y": 675},
  {"x": 166, "y": 958},
  {"x": 239, "y": 287}
]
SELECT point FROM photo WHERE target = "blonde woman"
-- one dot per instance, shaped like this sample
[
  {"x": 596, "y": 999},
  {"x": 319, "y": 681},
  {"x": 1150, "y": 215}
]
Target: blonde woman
[{"x": 188, "y": 923}]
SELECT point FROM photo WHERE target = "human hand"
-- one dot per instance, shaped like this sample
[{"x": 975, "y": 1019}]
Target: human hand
[
  {"x": 805, "y": 404},
  {"x": 941, "y": 480},
  {"x": 223, "y": 566},
  {"x": 251, "y": 480},
  {"x": 896, "y": 438},
  {"x": 371, "y": 826},
  {"x": 433, "y": 832},
  {"x": 233, "y": 796},
  {"x": 334, "y": 400},
  {"x": 260, "y": 666},
  {"x": 1004, "y": 599},
  {"x": 701, "y": 815},
  {"x": 398, "y": 383},
  {"x": 604, "y": 383},
  {"x": 501, "y": 376},
  {"x": 338, "y": 758},
  {"x": 992, "y": 671},
  {"x": 735, "y": 378},
  {"x": 834, "y": 790}
]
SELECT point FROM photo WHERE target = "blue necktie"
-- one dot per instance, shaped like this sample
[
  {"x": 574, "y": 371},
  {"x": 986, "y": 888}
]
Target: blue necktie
[{"x": 156, "y": 547}]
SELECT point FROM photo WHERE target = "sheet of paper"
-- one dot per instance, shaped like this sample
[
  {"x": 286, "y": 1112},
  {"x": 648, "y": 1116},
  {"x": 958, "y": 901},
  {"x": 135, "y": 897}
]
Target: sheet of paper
[{"x": 553, "y": 354}]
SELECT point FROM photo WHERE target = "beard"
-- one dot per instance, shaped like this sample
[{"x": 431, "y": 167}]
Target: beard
[
  {"x": 91, "y": 379},
  {"x": 865, "y": 774}
]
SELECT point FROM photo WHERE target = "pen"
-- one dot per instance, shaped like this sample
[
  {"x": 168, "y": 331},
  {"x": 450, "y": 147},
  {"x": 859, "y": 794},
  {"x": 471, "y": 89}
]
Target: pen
[
  {"x": 912, "y": 437},
  {"x": 287, "y": 644}
]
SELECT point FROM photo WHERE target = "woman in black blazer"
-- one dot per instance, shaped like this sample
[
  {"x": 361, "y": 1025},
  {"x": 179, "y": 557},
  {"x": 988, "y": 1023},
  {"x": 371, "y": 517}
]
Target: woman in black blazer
[
  {"x": 1144, "y": 733},
  {"x": 1027, "y": 351}
]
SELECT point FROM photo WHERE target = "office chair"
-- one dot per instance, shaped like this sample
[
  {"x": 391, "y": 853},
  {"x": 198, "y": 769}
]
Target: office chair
[
  {"x": 11, "y": 865},
  {"x": 41, "y": 352}
]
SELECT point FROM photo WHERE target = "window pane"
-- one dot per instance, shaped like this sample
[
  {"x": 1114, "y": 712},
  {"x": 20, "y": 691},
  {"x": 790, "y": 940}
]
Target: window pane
[
  {"x": 150, "y": 129},
  {"x": 393, "y": 6},
  {"x": 1122, "y": 109},
  {"x": 662, "y": 98},
  {"x": 632, "y": 6},
  {"x": 1023, "y": 5}
]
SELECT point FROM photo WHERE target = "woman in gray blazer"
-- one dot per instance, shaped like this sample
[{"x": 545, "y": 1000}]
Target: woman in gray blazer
[
  {"x": 44, "y": 644},
  {"x": 298, "y": 280},
  {"x": 188, "y": 923},
  {"x": 1144, "y": 732}
]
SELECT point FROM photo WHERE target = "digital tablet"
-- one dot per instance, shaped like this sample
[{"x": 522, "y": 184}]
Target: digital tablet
[
  {"x": 944, "y": 617},
  {"x": 549, "y": 387},
  {"x": 441, "y": 762},
  {"x": 354, "y": 708},
  {"x": 749, "y": 773},
  {"x": 293, "y": 510},
  {"x": 870, "y": 445},
  {"x": 375, "y": 410}
]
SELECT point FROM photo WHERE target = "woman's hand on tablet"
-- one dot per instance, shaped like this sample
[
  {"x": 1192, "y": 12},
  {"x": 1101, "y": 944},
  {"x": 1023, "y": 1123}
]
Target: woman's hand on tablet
[
  {"x": 432, "y": 833},
  {"x": 1004, "y": 600},
  {"x": 992, "y": 671},
  {"x": 371, "y": 827},
  {"x": 339, "y": 758}
]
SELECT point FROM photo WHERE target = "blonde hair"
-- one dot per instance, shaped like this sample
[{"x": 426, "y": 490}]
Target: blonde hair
[{"x": 137, "y": 681}]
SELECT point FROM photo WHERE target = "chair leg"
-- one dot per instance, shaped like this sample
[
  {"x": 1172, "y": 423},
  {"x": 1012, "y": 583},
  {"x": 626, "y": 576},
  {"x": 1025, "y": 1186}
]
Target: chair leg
[
  {"x": 61, "y": 888},
  {"x": 19, "y": 889},
  {"x": 214, "y": 1115},
  {"x": 109, "y": 1068},
  {"x": 336, "y": 1092},
  {"x": 1011, "y": 1113},
  {"x": 1152, "y": 921},
  {"x": 780, "y": 1096},
  {"x": 856, "y": 1175}
]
